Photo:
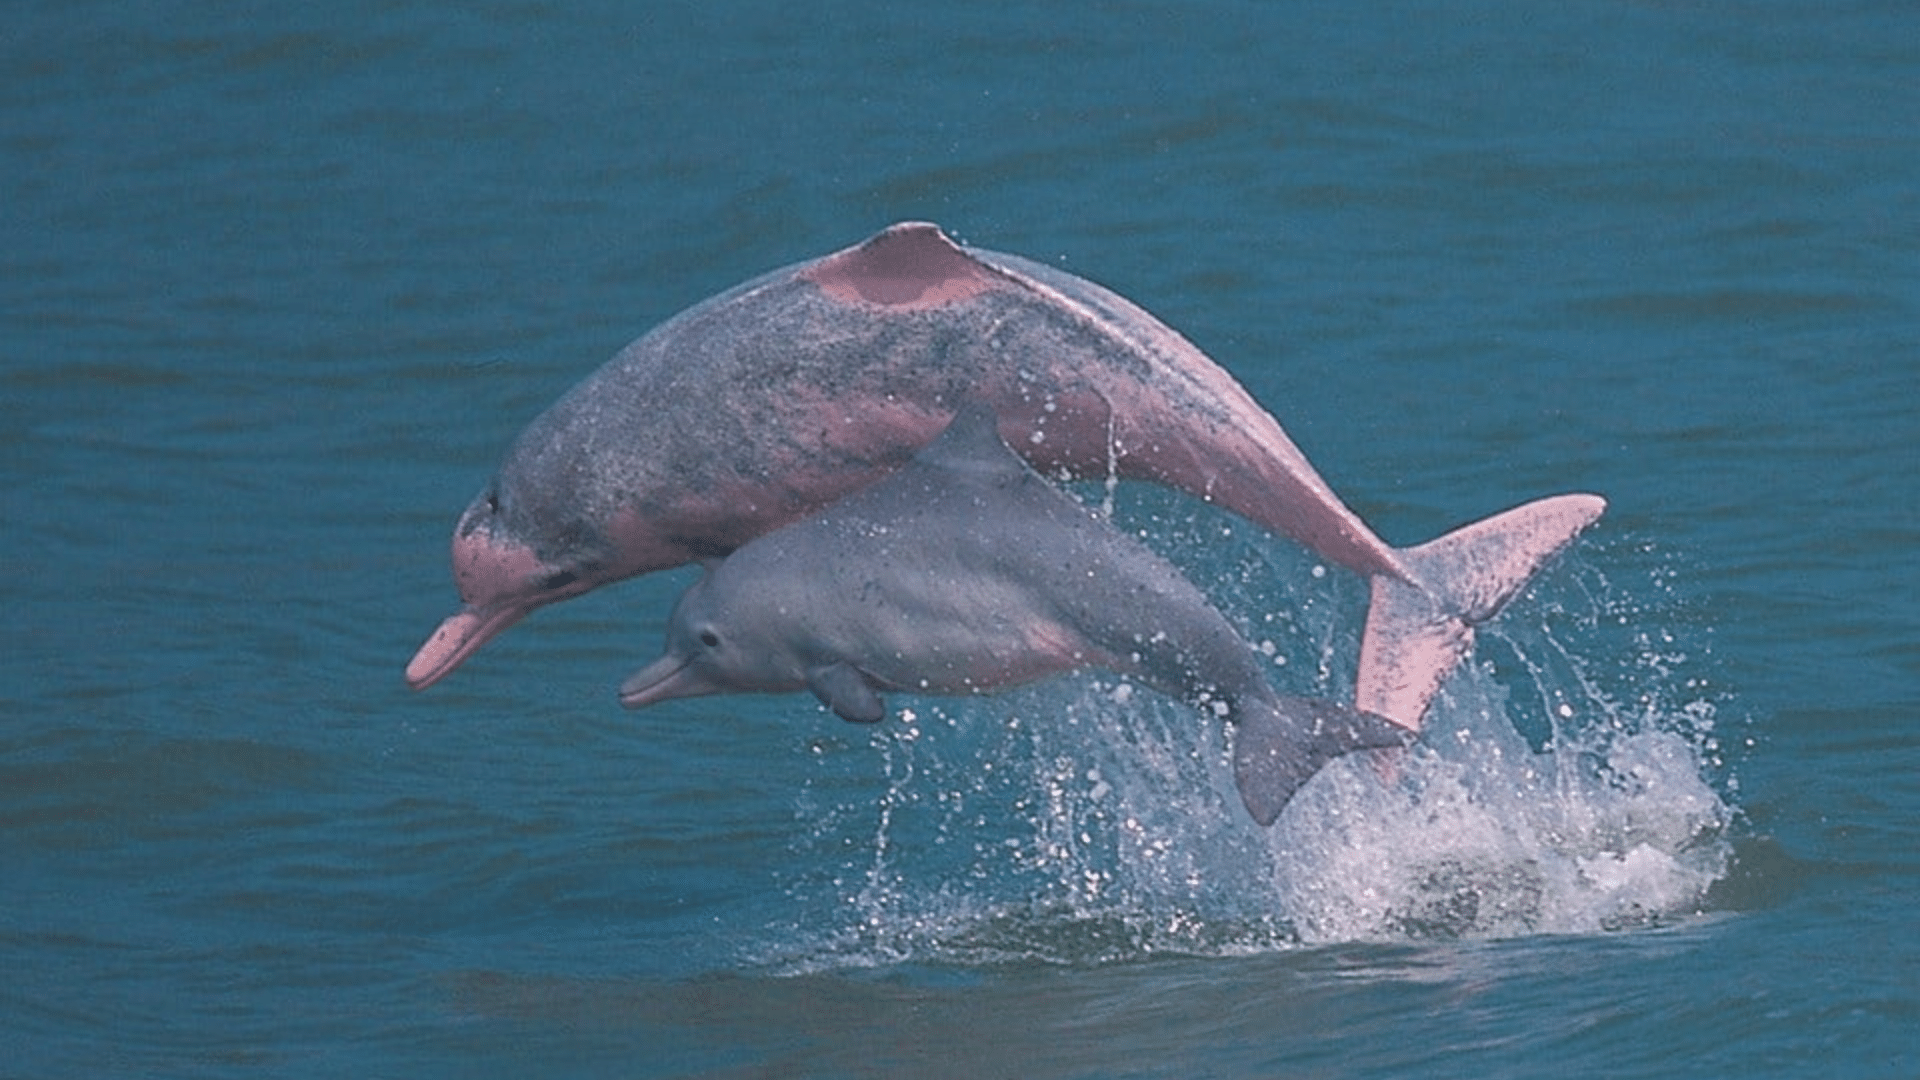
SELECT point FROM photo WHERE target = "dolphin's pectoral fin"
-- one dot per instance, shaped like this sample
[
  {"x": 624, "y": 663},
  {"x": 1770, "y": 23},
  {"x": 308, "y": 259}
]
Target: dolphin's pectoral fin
[
  {"x": 1279, "y": 743},
  {"x": 845, "y": 689}
]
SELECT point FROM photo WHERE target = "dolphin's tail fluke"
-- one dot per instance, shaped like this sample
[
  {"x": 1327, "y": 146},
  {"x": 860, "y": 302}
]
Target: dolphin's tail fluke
[
  {"x": 1417, "y": 633},
  {"x": 1279, "y": 743}
]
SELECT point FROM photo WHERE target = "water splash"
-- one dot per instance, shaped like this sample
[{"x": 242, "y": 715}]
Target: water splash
[
  {"x": 1482, "y": 836},
  {"x": 1570, "y": 780}
]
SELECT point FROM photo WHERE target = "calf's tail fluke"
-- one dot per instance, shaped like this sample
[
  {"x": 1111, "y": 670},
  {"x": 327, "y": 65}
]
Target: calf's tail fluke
[
  {"x": 1418, "y": 631},
  {"x": 1279, "y": 743}
]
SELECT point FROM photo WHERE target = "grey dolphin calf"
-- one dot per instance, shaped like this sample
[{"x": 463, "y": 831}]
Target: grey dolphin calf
[
  {"x": 770, "y": 401},
  {"x": 966, "y": 572}
]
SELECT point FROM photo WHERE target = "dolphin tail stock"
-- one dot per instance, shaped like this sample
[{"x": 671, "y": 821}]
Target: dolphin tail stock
[
  {"x": 1279, "y": 743},
  {"x": 1418, "y": 631}
]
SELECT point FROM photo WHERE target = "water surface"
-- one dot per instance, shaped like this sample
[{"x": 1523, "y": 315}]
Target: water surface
[{"x": 279, "y": 290}]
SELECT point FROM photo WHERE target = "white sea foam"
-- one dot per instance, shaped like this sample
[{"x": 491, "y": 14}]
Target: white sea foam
[{"x": 1480, "y": 835}]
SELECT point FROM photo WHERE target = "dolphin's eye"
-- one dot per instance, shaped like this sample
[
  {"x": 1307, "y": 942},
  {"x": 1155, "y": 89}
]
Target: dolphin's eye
[
  {"x": 710, "y": 639},
  {"x": 493, "y": 501}
]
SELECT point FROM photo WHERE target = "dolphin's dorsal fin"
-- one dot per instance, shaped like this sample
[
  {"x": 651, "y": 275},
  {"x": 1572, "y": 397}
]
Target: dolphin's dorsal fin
[
  {"x": 843, "y": 688},
  {"x": 971, "y": 443}
]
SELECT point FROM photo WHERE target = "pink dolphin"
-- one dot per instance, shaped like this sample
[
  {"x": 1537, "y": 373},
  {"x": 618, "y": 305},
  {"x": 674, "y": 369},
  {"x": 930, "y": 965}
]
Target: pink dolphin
[{"x": 764, "y": 404}]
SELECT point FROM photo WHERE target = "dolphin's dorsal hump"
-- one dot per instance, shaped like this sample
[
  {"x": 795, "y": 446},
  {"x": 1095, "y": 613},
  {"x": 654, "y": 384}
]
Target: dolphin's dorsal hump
[
  {"x": 972, "y": 444},
  {"x": 905, "y": 266}
]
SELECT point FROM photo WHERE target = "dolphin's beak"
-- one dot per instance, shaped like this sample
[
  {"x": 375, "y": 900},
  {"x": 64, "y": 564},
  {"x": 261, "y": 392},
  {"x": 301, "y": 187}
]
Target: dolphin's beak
[
  {"x": 459, "y": 636},
  {"x": 667, "y": 678},
  {"x": 501, "y": 579}
]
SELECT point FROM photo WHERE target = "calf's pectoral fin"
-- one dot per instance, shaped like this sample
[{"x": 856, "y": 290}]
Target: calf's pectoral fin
[
  {"x": 1279, "y": 743},
  {"x": 844, "y": 688}
]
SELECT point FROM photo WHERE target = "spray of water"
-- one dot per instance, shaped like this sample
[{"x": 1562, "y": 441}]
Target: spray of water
[{"x": 1570, "y": 781}]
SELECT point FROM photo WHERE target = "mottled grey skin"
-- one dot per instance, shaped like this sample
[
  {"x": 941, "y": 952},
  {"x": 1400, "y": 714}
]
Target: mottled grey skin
[
  {"x": 769, "y": 402},
  {"x": 965, "y": 572}
]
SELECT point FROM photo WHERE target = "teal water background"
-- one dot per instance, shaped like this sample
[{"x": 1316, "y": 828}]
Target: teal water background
[{"x": 279, "y": 284}]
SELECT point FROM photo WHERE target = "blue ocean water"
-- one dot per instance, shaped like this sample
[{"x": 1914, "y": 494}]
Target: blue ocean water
[{"x": 280, "y": 285}]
